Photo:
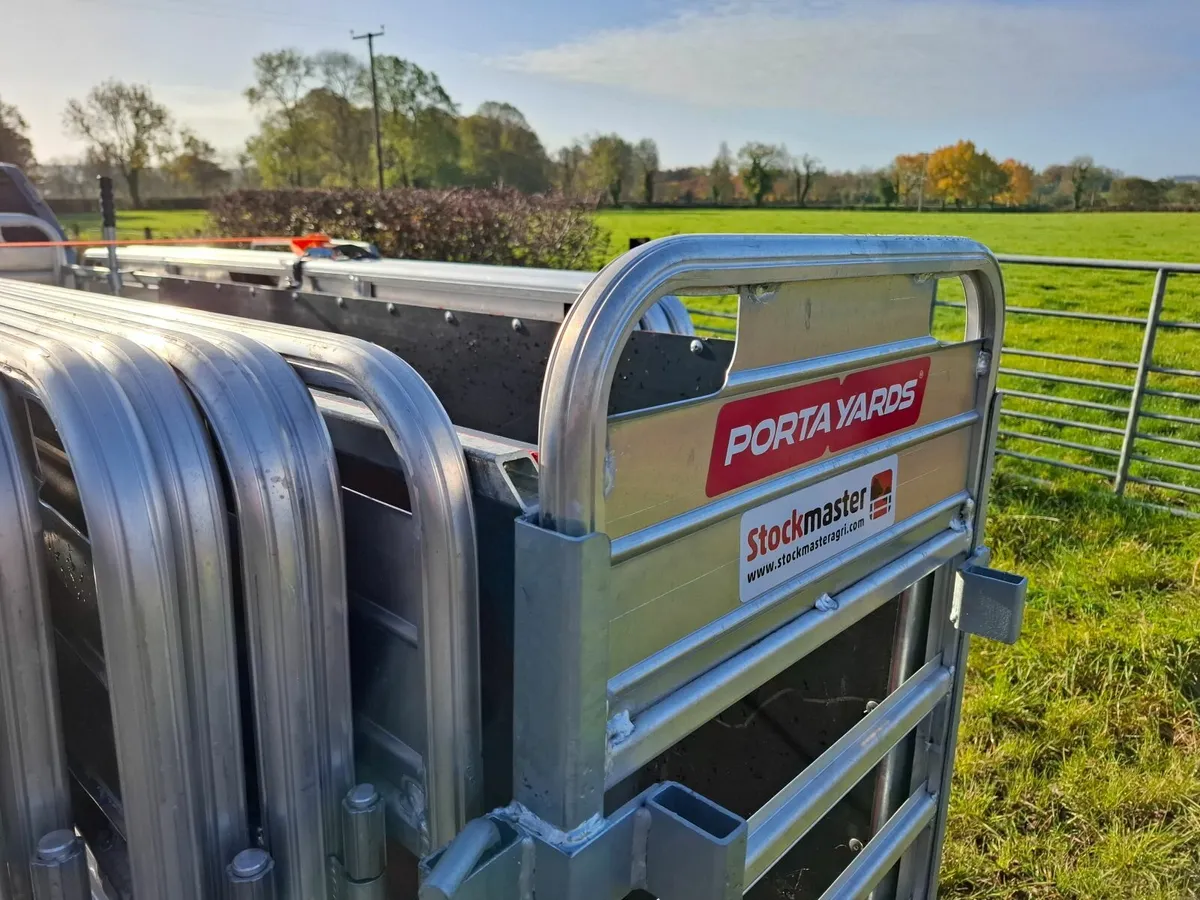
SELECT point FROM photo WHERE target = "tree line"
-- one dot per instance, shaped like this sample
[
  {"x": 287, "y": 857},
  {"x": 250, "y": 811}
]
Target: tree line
[{"x": 316, "y": 129}]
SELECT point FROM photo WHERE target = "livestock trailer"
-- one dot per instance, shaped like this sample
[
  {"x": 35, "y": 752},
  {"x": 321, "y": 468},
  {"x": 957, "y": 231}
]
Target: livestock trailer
[{"x": 379, "y": 579}]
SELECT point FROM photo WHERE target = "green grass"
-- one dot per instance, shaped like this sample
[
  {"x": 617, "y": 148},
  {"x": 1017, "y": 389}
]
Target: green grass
[
  {"x": 1078, "y": 771},
  {"x": 1078, "y": 774},
  {"x": 1174, "y": 236},
  {"x": 131, "y": 224}
]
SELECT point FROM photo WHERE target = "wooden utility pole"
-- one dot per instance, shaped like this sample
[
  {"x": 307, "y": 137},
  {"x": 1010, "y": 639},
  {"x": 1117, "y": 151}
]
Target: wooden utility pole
[{"x": 370, "y": 39}]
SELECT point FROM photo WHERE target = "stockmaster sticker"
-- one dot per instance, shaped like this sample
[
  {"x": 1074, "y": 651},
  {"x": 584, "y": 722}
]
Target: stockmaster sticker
[{"x": 792, "y": 534}]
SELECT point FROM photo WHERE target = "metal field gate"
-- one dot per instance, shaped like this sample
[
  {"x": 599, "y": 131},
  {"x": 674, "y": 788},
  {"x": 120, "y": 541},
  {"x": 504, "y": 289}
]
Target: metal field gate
[{"x": 363, "y": 595}]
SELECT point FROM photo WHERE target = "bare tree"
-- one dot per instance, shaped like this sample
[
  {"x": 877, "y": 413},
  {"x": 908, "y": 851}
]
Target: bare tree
[
  {"x": 805, "y": 170},
  {"x": 123, "y": 127},
  {"x": 761, "y": 164}
]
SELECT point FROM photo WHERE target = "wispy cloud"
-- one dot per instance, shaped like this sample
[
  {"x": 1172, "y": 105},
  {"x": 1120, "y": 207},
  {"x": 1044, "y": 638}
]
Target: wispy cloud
[{"x": 896, "y": 58}]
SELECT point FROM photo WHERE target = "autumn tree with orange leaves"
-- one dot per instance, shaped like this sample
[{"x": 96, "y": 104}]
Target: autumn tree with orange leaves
[
  {"x": 950, "y": 172},
  {"x": 1020, "y": 183},
  {"x": 959, "y": 173}
]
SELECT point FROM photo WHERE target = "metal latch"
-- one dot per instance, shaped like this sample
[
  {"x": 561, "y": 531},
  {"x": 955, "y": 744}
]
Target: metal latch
[{"x": 989, "y": 602}]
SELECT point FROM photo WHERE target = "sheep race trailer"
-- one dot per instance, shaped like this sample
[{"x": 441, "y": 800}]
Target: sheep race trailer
[{"x": 374, "y": 579}]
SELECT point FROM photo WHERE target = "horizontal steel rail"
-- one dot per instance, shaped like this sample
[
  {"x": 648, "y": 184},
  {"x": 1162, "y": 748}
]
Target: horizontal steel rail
[
  {"x": 1164, "y": 439},
  {"x": 1074, "y": 262},
  {"x": 1066, "y": 379},
  {"x": 791, "y": 813},
  {"x": 1173, "y": 395},
  {"x": 1061, "y": 463},
  {"x": 1066, "y": 401},
  {"x": 885, "y": 849},
  {"x": 1057, "y": 442},
  {"x": 664, "y": 723},
  {"x": 1172, "y": 463},
  {"x": 1063, "y": 423},
  {"x": 1057, "y": 314},
  {"x": 1169, "y": 417},
  {"x": 1167, "y": 370},
  {"x": 1166, "y": 485},
  {"x": 1066, "y": 357}
]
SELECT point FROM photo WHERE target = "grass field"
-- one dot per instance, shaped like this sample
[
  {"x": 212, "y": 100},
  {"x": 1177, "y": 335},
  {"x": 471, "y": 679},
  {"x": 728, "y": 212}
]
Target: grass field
[
  {"x": 131, "y": 224},
  {"x": 1079, "y": 767}
]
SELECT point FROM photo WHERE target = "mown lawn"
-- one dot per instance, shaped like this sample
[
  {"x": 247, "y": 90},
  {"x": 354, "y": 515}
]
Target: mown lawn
[
  {"x": 131, "y": 224},
  {"x": 1079, "y": 765}
]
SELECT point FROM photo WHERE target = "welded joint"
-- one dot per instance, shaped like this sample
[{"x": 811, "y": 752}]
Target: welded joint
[
  {"x": 983, "y": 363},
  {"x": 964, "y": 519}
]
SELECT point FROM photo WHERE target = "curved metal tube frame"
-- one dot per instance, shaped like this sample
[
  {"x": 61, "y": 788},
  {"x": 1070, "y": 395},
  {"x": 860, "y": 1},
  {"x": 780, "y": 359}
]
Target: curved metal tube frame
[
  {"x": 34, "y": 798},
  {"x": 573, "y": 418},
  {"x": 431, "y": 458},
  {"x": 292, "y": 560},
  {"x": 128, "y": 471}
]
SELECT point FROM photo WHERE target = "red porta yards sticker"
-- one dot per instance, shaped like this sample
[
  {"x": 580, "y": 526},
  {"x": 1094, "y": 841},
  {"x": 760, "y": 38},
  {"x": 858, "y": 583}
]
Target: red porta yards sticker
[{"x": 771, "y": 433}]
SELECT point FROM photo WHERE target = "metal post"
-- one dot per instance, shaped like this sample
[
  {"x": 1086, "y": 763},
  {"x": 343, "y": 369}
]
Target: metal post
[
  {"x": 893, "y": 781},
  {"x": 370, "y": 39},
  {"x": 108, "y": 223},
  {"x": 1139, "y": 385}
]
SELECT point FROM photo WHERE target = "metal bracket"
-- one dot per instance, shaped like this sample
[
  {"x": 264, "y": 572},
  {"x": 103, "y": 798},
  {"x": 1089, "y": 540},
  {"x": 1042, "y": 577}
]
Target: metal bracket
[
  {"x": 988, "y": 602},
  {"x": 668, "y": 840}
]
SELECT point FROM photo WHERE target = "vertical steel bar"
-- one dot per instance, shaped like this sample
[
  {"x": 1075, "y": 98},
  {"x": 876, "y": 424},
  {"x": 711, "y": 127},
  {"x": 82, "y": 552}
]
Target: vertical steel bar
[
  {"x": 34, "y": 796},
  {"x": 1139, "y": 387},
  {"x": 108, "y": 221},
  {"x": 892, "y": 783}
]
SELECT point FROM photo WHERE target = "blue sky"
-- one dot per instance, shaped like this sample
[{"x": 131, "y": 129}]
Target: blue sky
[{"x": 851, "y": 81}]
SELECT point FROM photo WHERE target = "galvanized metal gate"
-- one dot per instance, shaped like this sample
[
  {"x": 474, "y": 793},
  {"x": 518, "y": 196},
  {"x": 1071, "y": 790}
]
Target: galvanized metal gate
[
  {"x": 705, "y": 636},
  {"x": 685, "y": 555}
]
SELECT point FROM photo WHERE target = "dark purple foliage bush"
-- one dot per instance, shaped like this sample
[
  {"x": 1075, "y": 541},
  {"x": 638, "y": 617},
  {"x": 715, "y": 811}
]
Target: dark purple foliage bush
[{"x": 497, "y": 226}]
